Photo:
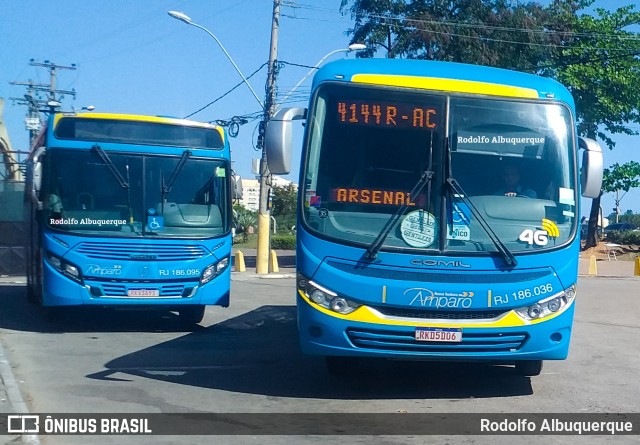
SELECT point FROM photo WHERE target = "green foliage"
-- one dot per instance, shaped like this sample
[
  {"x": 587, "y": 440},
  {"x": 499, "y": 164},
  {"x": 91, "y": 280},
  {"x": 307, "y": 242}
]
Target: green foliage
[
  {"x": 244, "y": 219},
  {"x": 283, "y": 242},
  {"x": 627, "y": 237},
  {"x": 630, "y": 218},
  {"x": 487, "y": 32},
  {"x": 247, "y": 241},
  {"x": 285, "y": 223},
  {"x": 621, "y": 177},
  {"x": 284, "y": 207},
  {"x": 598, "y": 64},
  {"x": 284, "y": 200}
]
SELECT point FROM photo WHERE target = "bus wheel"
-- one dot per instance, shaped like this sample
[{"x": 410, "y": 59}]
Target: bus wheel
[
  {"x": 529, "y": 368},
  {"x": 191, "y": 314},
  {"x": 35, "y": 290},
  {"x": 343, "y": 366}
]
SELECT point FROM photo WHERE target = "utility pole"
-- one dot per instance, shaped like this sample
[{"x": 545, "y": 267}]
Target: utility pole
[
  {"x": 264, "y": 217},
  {"x": 34, "y": 103}
]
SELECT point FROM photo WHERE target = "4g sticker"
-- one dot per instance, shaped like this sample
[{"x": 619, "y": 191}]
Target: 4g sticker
[
  {"x": 540, "y": 237},
  {"x": 537, "y": 237}
]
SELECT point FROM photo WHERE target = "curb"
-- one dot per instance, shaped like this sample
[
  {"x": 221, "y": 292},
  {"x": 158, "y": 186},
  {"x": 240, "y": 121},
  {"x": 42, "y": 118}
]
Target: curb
[
  {"x": 243, "y": 276},
  {"x": 14, "y": 396},
  {"x": 617, "y": 277}
]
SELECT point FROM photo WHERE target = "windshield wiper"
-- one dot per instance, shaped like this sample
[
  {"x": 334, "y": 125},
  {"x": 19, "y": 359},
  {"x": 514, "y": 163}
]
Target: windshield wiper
[
  {"x": 374, "y": 248},
  {"x": 111, "y": 166},
  {"x": 166, "y": 188},
  {"x": 124, "y": 183},
  {"x": 502, "y": 249}
]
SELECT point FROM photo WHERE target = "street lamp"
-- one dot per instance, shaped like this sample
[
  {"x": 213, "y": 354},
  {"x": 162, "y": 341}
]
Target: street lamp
[
  {"x": 352, "y": 47},
  {"x": 186, "y": 19}
]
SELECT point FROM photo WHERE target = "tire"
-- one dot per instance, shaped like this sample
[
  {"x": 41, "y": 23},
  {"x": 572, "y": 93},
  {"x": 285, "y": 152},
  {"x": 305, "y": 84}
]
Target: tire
[
  {"x": 529, "y": 368},
  {"x": 31, "y": 294},
  {"x": 191, "y": 314},
  {"x": 343, "y": 366},
  {"x": 35, "y": 289}
]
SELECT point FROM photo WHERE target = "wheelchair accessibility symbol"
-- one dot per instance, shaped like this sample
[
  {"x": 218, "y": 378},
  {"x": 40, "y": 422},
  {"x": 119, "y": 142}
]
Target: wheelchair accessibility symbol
[{"x": 155, "y": 223}]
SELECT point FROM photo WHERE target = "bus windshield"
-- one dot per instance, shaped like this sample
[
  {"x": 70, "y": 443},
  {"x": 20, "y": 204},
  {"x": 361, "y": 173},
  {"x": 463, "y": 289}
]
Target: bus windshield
[
  {"x": 368, "y": 147},
  {"x": 128, "y": 195}
]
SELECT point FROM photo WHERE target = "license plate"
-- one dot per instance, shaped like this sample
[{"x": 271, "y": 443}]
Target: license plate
[
  {"x": 445, "y": 335},
  {"x": 143, "y": 293}
]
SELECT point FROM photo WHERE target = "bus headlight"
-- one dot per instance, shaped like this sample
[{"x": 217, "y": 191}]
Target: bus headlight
[
  {"x": 72, "y": 271},
  {"x": 66, "y": 268},
  {"x": 548, "y": 306},
  {"x": 325, "y": 297},
  {"x": 213, "y": 270}
]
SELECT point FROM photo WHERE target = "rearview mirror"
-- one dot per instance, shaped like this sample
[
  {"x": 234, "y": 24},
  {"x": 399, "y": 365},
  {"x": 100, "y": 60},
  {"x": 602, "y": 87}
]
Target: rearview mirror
[
  {"x": 236, "y": 186},
  {"x": 592, "y": 167},
  {"x": 36, "y": 177},
  {"x": 278, "y": 139}
]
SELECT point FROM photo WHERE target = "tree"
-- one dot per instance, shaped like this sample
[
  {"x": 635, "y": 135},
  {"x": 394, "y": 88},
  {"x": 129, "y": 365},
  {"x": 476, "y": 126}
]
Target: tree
[
  {"x": 284, "y": 200},
  {"x": 633, "y": 218},
  {"x": 489, "y": 32},
  {"x": 284, "y": 205},
  {"x": 244, "y": 219},
  {"x": 621, "y": 178}
]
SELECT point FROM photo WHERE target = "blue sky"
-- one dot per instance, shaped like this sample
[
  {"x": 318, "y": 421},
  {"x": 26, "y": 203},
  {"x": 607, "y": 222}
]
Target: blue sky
[{"x": 131, "y": 57}]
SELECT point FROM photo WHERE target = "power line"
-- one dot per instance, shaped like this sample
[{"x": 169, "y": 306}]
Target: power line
[
  {"x": 33, "y": 100},
  {"x": 586, "y": 61},
  {"x": 452, "y": 23},
  {"x": 227, "y": 93},
  {"x": 464, "y": 36},
  {"x": 297, "y": 64}
]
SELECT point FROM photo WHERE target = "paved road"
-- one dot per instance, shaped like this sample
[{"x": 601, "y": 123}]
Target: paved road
[{"x": 246, "y": 359}]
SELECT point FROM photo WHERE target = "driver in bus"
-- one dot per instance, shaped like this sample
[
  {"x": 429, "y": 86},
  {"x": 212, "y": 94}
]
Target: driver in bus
[{"x": 512, "y": 186}]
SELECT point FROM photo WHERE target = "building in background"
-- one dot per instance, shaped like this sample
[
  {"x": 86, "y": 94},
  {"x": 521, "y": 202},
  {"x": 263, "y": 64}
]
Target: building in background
[
  {"x": 250, "y": 194},
  {"x": 251, "y": 191}
]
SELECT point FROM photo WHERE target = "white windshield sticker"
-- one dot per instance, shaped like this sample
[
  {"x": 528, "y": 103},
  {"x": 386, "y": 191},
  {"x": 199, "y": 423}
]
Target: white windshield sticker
[
  {"x": 419, "y": 229},
  {"x": 566, "y": 196}
]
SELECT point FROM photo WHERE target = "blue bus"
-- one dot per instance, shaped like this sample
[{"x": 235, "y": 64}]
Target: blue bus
[
  {"x": 439, "y": 210},
  {"x": 129, "y": 210}
]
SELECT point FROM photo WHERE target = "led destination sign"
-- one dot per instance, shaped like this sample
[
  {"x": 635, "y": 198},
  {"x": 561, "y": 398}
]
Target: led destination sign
[{"x": 389, "y": 115}]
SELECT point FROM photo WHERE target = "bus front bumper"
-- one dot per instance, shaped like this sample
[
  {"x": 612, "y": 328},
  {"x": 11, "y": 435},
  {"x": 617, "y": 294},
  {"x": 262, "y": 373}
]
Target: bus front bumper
[
  {"x": 60, "y": 290},
  {"x": 505, "y": 340}
]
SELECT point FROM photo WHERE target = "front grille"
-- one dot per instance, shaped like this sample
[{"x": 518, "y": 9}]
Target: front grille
[
  {"x": 437, "y": 315},
  {"x": 404, "y": 341},
  {"x": 140, "y": 252},
  {"x": 400, "y": 273},
  {"x": 120, "y": 290}
]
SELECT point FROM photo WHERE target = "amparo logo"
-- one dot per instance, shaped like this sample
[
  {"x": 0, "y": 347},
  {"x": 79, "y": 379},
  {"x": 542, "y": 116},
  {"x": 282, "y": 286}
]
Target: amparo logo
[
  {"x": 94, "y": 269},
  {"x": 428, "y": 298}
]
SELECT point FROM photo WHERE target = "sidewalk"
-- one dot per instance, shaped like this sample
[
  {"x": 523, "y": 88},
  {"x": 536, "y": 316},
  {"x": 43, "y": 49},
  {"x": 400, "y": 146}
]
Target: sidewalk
[
  {"x": 609, "y": 269},
  {"x": 286, "y": 265}
]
